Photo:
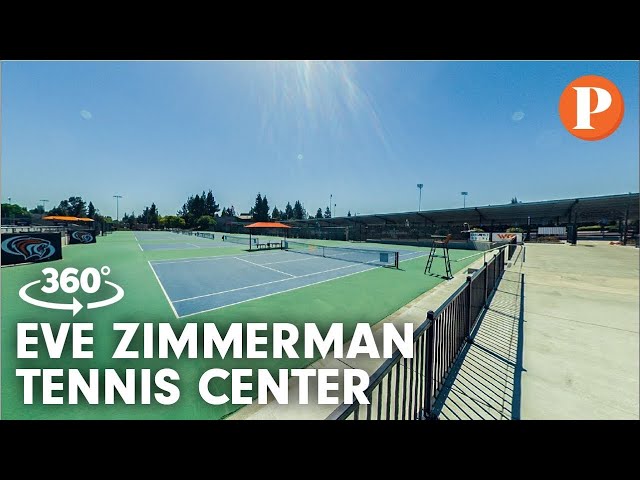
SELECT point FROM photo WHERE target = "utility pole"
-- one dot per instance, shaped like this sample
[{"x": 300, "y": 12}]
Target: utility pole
[
  {"x": 420, "y": 185},
  {"x": 464, "y": 199},
  {"x": 117, "y": 197}
]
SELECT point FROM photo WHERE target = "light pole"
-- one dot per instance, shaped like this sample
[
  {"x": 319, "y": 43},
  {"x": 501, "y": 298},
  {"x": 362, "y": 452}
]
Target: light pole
[
  {"x": 464, "y": 199},
  {"x": 420, "y": 185},
  {"x": 334, "y": 211},
  {"x": 44, "y": 210},
  {"x": 330, "y": 203},
  {"x": 117, "y": 197}
]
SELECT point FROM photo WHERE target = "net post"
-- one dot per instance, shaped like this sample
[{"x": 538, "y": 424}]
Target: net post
[{"x": 397, "y": 255}]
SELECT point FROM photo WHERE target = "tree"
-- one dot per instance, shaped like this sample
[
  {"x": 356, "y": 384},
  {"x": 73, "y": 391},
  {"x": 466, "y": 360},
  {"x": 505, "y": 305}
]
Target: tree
[
  {"x": 205, "y": 222},
  {"x": 77, "y": 207},
  {"x": 229, "y": 212},
  {"x": 349, "y": 213},
  {"x": 514, "y": 200},
  {"x": 264, "y": 210},
  {"x": 319, "y": 213},
  {"x": 298, "y": 211},
  {"x": 129, "y": 220},
  {"x": 261, "y": 209},
  {"x": 211, "y": 208},
  {"x": 197, "y": 206},
  {"x": 275, "y": 214},
  {"x": 327, "y": 213},
  {"x": 288, "y": 212},
  {"x": 14, "y": 210},
  {"x": 39, "y": 210},
  {"x": 172, "y": 221},
  {"x": 152, "y": 218},
  {"x": 91, "y": 210},
  {"x": 255, "y": 211},
  {"x": 63, "y": 209}
]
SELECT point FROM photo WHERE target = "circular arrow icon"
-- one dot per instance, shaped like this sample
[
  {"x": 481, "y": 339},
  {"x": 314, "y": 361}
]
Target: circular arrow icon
[{"x": 75, "y": 306}]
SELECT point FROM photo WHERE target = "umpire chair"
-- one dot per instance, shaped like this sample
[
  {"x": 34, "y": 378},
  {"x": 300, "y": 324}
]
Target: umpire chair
[{"x": 444, "y": 245}]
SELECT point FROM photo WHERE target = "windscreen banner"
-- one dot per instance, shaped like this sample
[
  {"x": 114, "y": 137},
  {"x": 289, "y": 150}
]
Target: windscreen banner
[
  {"x": 81, "y": 236},
  {"x": 31, "y": 247}
]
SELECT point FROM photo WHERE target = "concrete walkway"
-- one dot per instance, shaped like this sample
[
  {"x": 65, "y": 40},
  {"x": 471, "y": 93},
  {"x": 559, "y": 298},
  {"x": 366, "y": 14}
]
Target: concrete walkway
[
  {"x": 485, "y": 382},
  {"x": 566, "y": 349},
  {"x": 581, "y": 354}
]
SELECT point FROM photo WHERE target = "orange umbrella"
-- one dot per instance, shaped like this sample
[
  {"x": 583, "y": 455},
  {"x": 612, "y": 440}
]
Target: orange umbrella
[
  {"x": 264, "y": 225},
  {"x": 267, "y": 225}
]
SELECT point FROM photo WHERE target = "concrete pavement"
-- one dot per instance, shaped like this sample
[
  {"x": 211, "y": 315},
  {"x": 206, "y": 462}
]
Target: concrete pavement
[{"x": 581, "y": 354}]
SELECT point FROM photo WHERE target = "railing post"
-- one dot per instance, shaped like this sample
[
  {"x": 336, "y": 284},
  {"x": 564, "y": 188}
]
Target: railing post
[
  {"x": 469, "y": 297},
  {"x": 429, "y": 374},
  {"x": 486, "y": 280}
]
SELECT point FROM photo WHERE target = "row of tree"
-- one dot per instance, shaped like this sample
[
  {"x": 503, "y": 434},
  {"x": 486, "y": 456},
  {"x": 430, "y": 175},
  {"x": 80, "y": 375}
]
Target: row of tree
[
  {"x": 260, "y": 211},
  {"x": 72, "y": 207},
  {"x": 199, "y": 211}
]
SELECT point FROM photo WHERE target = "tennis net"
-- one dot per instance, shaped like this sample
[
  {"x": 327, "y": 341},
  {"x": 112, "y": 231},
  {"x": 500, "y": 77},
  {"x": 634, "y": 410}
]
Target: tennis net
[
  {"x": 241, "y": 240},
  {"x": 385, "y": 258}
]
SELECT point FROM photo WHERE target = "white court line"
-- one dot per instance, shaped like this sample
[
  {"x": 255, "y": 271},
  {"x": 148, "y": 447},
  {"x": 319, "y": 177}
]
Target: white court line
[
  {"x": 282, "y": 291},
  {"x": 287, "y": 279},
  {"x": 140, "y": 246},
  {"x": 163, "y": 290},
  {"x": 263, "y": 266},
  {"x": 192, "y": 244},
  {"x": 296, "y": 260},
  {"x": 216, "y": 257},
  {"x": 267, "y": 283},
  {"x": 276, "y": 293}
]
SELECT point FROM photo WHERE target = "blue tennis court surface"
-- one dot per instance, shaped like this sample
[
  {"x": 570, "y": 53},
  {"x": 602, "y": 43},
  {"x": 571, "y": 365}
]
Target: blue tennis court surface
[
  {"x": 150, "y": 241},
  {"x": 197, "y": 285}
]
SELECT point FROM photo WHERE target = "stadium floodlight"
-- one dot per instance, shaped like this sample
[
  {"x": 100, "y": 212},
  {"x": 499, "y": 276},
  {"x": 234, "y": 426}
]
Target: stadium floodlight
[
  {"x": 43, "y": 204},
  {"x": 420, "y": 185},
  {"x": 117, "y": 197},
  {"x": 464, "y": 199}
]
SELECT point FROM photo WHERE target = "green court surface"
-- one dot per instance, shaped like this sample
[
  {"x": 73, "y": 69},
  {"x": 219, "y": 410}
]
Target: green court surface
[{"x": 368, "y": 296}]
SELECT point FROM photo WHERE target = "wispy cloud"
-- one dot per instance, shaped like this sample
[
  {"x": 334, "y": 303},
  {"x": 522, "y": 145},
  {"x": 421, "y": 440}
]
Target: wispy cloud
[
  {"x": 517, "y": 116},
  {"x": 86, "y": 114}
]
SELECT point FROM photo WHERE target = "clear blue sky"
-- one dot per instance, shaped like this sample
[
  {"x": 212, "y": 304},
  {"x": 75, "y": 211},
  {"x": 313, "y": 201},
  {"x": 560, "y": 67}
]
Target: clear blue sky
[{"x": 366, "y": 132}]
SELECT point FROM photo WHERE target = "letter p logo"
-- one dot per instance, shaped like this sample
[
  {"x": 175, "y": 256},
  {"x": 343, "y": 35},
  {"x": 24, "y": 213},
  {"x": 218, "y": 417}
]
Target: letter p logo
[{"x": 591, "y": 108}]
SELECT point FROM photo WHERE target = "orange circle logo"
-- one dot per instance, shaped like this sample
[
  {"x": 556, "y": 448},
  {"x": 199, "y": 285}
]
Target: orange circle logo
[{"x": 591, "y": 107}]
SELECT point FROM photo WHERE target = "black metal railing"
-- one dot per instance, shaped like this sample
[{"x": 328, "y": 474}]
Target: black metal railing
[{"x": 407, "y": 388}]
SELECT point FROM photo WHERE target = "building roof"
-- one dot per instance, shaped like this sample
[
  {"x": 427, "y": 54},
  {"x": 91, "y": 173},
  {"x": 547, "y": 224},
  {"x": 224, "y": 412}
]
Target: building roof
[{"x": 585, "y": 209}]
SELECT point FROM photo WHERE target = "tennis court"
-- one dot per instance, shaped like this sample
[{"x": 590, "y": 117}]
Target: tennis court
[
  {"x": 197, "y": 285},
  {"x": 153, "y": 241},
  {"x": 219, "y": 285}
]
